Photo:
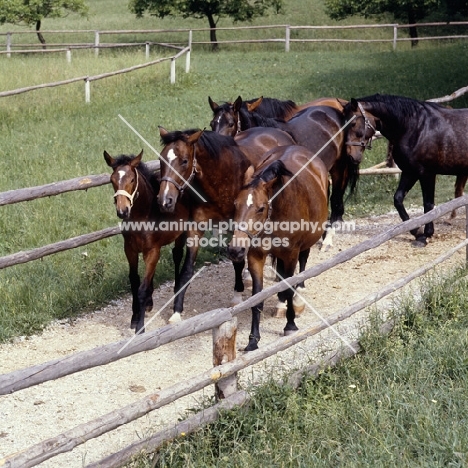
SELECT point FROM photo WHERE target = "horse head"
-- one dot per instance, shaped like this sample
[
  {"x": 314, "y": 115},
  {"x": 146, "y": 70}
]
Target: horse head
[
  {"x": 360, "y": 130},
  {"x": 226, "y": 117},
  {"x": 125, "y": 180},
  {"x": 253, "y": 206},
  {"x": 178, "y": 165}
]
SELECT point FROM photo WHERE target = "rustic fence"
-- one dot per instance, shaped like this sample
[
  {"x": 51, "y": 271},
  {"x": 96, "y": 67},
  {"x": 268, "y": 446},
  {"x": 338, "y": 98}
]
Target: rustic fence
[
  {"x": 223, "y": 376},
  {"x": 390, "y": 29}
]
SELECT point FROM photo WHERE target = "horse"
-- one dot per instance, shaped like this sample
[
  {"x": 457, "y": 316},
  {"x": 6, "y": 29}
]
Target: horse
[
  {"x": 135, "y": 201},
  {"x": 292, "y": 190},
  {"x": 204, "y": 170},
  {"x": 318, "y": 128},
  {"x": 230, "y": 118},
  {"x": 427, "y": 139}
]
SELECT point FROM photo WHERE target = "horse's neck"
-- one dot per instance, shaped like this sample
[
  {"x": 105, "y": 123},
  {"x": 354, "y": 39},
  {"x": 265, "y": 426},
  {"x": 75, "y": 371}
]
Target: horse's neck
[{"x": 145, "y": 203}]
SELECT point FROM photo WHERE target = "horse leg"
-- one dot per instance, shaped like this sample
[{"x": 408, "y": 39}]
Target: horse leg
[
  {"x": 281, "y": 305},
  {"x": 239, "y": 282},
  {"x": 177, "y": 255},
  {"x": 256, "y": 265},
  {"x": 288, "y": 294},
  {"x": 298, "y": 301},
  {"x": 460, "y": 183},
  {"x": 405, "y": 184},
  {"x": 134, "y": 277},
  {"x": 186, "y": 274},
  {"x": 428, "y": 190}
]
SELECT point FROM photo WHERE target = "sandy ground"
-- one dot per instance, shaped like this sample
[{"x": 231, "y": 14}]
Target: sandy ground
[{"x": 35, "y": 414}]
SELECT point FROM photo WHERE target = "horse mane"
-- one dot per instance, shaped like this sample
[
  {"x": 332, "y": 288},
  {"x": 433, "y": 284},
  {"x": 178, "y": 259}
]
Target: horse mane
[
  {"x": 274, "y": 108},
  {"x": 150, "y": 176},
  {"x": 399, "y": 106},
  {"x": 276, "y": 169},
  {"x": 213, "y": 142}
]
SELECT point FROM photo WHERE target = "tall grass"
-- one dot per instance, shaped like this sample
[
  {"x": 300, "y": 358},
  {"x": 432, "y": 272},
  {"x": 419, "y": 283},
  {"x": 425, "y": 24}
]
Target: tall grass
[
  {"x": 401, "y": 402},
  {"x": 52, "y": 134}
]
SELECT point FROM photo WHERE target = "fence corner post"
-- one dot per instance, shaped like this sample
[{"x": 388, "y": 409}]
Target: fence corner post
[
  {"x": 187, "y": 57},
  {"x": 224, "y": 350}
]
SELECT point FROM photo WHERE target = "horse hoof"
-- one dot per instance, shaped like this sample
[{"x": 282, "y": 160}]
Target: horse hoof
[
  {"x": 247, "y": 278},
  {"x": 251, "y": 347},
  {"x": 281, "y": 308},
  {"x": 133, "y": 325},
  {"x": 289, "y": 332},
  {"x": 298, "y": 302},
  {"x": 420, "y": 242},
  {"x": 176, "y": 317},
  {"x": 236, "y": 299}
]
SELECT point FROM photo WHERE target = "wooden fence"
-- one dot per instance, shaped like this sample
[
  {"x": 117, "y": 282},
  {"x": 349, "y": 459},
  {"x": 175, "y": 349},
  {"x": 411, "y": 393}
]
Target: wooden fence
[
  {"x": 223, "y": 376},
  {"x": 286, "y": 38}
]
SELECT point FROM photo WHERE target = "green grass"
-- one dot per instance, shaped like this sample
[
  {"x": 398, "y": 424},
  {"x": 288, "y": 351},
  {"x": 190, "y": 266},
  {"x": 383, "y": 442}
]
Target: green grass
[
  {"x": 52, "y": 134},
  {"x": 401, "y": 402}
]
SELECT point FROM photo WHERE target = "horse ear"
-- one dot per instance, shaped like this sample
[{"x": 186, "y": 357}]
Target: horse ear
[
  {"x": 253, "y": 106},
  {"x": 213, "y": 104},
  {"x": 162, "y": 131},
  {"x": 237, "y": 104},
  {"x": 109, "y": 159},
  {"x": 136, "y": 160},
  {"x": 248, "y": 174},
  {"x": 354, "y": 104},
  {"x": 192, "y": 139}
]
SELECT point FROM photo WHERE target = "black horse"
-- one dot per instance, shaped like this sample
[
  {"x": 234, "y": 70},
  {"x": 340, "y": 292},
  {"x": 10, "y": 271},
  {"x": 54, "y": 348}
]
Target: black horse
[{"x": 427, "y": 139}]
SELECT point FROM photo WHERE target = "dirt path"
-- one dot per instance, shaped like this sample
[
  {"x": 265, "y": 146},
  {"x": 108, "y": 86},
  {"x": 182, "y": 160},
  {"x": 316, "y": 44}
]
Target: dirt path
[{"x": 32, "y": 415}]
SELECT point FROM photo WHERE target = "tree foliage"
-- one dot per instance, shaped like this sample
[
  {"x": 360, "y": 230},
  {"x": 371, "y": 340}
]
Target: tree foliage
[
  {"x": 213, "y": 10},
  {"x": 31, "y": 12}
]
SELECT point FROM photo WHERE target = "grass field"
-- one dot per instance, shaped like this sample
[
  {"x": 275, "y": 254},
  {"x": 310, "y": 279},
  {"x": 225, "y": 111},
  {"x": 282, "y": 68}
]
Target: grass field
[
  {"x": 401, "y": 402},
  {"x": 52, "y": 134}
]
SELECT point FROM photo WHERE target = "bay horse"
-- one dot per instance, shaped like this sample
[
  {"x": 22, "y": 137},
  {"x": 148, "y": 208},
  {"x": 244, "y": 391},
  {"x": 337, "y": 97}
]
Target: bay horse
[
  {"x": 135, "y": 200},
  {"x": 318, "y": 129},
  {"x": 204, "y": 170},
  {"x": 427, "y": 139},
  {"x": 290, "y": 189},
  {"x": 230, "y": 118}
]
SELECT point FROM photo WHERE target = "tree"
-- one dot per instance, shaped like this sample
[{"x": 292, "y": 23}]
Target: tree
[
  {"x": 405, "y": 10},
  {"x": 238, "y": 10},
  {"x": 32, "y": 12}
]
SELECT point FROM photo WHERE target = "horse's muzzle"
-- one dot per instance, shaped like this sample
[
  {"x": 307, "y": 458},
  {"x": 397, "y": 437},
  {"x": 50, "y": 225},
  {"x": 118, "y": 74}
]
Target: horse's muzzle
[{"x": 236, "y": 254}]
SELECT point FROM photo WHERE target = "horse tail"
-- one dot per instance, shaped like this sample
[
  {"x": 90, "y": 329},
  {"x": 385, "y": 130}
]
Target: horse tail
[{"x": 352, "y": 177}]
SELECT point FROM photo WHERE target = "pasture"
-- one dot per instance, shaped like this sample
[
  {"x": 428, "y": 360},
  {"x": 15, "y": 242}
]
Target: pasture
[{"x": 51, "y": 135}]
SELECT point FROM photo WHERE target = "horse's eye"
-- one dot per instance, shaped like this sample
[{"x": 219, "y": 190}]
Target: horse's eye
[
  {"x": 231, "y": 124},
  {"x": 184, "y": 162},
  {"x": 261, "y": 210}
]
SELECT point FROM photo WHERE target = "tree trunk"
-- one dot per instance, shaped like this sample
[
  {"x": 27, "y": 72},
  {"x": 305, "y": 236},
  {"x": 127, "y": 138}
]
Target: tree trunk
[
  {"x": 39, "y": 35},
  {"x": 413, "y": 30},
  {"x": 214, "y": 41}
]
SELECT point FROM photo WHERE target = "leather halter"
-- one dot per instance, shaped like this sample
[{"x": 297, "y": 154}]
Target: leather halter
[
  {"x": 254, "y": 236},
  {"x": 132, "y": 196},
  {"x": 187, "y": 182},
  {"x": 364, "y": 143}
]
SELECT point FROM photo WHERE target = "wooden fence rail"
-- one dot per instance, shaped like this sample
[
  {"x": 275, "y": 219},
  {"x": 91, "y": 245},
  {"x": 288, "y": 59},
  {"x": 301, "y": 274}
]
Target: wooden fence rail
[{"x": 80, "y": 434}]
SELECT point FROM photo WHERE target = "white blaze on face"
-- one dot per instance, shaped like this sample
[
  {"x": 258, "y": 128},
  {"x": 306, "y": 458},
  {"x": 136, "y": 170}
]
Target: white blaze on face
[
  {"x": 171, "y": 155},
  {"x": 249, "y": 200},
  {"x": 121, "y": 174}
]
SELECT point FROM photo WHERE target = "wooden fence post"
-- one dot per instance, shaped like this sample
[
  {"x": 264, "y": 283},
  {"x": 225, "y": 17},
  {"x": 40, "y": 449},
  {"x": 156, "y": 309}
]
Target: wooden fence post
[
  {"x": 395, "y": 36},
  {"x": 466, "y": 230},
  {"x": 288, "y": 37},
  {"x": 96, "y": 43},
  {"x": 224, "y": 350},
  {"x": 147, "y": 50},
  {"x": 8, "y": 44},
  {"x": 87, "y": 91},
  {"x": 68, "y": 54},
  {"x": 172, "y": 71},
  {"x": 187, "y": 57}
]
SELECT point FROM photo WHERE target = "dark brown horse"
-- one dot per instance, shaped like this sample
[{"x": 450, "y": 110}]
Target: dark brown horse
[
  {"x": 427, "y": 139},
  {"x": 135, "y": 194},
  {"x": 204, "y": 170},
  {"x": 281, "y": 211},
  {"x": 230, "y": 118}
]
